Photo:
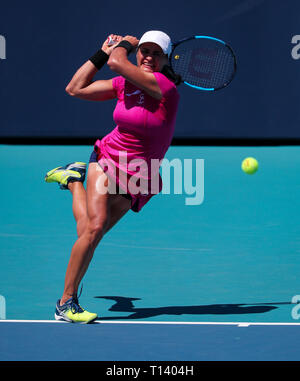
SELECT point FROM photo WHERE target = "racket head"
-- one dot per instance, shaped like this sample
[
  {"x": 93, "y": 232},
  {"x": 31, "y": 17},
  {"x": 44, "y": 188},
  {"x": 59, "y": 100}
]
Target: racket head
[{"x": 204, "y": 62}]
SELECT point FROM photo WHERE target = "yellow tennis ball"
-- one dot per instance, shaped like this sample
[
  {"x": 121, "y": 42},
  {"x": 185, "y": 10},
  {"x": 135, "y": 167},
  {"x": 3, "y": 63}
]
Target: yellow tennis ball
[{"x": 250, "y": 165}]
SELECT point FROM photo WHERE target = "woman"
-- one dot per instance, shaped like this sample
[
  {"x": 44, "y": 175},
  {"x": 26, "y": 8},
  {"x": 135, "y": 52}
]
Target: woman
[{"x": 145, "y": 116}]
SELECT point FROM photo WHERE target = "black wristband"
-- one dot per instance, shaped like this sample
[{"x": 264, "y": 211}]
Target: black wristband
[
  {"x": 126, "y": 45},
  {"x": 99, "y": 59}
]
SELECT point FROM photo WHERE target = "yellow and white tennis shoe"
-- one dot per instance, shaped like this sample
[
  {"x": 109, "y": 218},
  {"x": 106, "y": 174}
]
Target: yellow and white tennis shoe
[
  {"x": 72, "y": 312},
  {"x": 69, "y": 173}
]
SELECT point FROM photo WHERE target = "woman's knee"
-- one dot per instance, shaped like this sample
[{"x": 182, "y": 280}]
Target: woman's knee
[{"x": 96, "y": 230}]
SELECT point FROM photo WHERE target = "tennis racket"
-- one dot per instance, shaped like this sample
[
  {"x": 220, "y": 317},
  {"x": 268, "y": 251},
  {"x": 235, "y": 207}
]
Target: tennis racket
[
  {"x": 203, "y": 62},
  {"x": 110, "y": 41}
]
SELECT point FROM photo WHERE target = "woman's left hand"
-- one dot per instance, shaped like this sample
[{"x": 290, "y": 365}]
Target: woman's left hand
[{"x": 133, "y": 40}]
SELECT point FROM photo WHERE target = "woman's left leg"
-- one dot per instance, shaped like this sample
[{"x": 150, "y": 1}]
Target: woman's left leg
[{"x": 79, "y": 205}]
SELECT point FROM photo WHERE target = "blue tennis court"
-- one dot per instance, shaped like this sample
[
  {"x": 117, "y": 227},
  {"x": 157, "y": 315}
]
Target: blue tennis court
[
  {"x": 132, "y": 341},
  {"x": 213, "y": 281}
]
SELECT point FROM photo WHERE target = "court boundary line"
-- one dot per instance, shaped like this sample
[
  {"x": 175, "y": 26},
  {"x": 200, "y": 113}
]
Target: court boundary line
[{"x": 238, "y": 324}]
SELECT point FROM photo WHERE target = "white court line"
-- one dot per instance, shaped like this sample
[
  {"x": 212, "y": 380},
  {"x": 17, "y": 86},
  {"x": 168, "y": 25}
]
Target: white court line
[{"x": 239, "y": 324}]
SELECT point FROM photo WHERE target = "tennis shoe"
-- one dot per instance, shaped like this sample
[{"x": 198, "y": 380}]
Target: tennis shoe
[
  {"x": 67, "y": 174},
  {"x": 72, "y": 312}
]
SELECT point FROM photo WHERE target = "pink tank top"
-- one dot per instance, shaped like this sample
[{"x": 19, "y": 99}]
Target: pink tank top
[{"x": 143, "y": 133}]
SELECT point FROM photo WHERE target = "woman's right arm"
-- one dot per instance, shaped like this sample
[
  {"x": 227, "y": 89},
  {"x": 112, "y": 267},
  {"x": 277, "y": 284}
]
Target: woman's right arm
[{"x": 82, "y": 85}]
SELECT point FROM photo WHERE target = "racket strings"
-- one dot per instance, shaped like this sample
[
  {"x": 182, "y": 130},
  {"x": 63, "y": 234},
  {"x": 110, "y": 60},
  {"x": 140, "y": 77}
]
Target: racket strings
[{"x": 204, "y": 63}]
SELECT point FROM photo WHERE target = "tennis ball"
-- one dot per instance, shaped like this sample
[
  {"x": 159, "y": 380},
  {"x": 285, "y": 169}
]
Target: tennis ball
[{"x": 250, "y": 165}]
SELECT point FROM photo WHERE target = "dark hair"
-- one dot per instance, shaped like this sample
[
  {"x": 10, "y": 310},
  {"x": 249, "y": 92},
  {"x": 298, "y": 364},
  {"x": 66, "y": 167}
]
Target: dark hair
[{"x": 169, "y": 73}]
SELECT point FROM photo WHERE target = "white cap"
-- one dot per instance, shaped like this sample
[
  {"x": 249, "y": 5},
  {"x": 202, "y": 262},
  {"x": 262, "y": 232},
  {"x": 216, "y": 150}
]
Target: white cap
[{"x": 159, "y": 38}]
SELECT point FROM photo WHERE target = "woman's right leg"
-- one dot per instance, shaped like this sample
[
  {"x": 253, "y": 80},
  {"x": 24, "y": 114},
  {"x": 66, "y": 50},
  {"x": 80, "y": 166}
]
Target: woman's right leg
[
  {"x": 96, "y": 212},
  {"x": 98, "y": 200}
]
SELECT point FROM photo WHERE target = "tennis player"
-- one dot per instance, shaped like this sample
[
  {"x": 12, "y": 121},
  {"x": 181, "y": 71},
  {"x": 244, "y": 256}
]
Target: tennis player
[{"x": 145, "y": 113}]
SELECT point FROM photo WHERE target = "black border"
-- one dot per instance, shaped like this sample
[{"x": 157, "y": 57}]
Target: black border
[{"x": 234, "y": 369}]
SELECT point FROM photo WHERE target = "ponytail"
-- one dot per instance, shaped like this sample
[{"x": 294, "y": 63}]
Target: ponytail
[{"x": 169, "y": 73}]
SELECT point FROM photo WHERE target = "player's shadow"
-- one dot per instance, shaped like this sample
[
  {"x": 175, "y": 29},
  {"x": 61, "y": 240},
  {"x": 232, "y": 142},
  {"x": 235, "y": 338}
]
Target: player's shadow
[{"x": 125, "y": 304}]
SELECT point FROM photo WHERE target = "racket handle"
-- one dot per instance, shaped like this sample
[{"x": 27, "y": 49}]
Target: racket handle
[{"x": 110, "y": 41}]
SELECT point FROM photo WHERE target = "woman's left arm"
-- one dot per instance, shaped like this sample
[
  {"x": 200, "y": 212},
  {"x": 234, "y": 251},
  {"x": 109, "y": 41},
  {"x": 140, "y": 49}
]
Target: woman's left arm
[{"x": 119, "y": 63}]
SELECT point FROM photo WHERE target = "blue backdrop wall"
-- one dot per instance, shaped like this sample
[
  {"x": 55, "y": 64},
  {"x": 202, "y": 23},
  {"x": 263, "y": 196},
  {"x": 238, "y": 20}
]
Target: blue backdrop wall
[{"x": 43, "y": 43}]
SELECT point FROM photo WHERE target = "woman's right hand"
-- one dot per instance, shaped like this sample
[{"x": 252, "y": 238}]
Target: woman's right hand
[{"x": 107, "y": 47}]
